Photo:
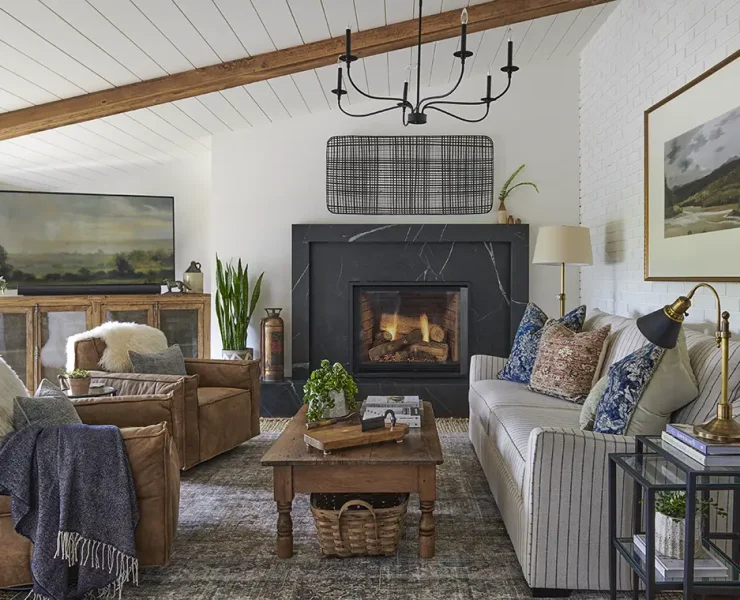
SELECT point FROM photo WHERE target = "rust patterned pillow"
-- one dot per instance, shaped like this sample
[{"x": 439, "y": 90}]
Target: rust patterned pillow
[{"x": 567, "y": 361}]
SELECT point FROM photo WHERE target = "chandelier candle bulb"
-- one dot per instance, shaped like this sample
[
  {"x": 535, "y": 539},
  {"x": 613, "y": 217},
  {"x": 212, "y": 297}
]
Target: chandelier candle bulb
[
  {"x": 348, "y": 46},
  {"x": 511, "y": 54},
  {"x": 488, "y": 86},
  {"x": 463, "y": 41},
  {"x": 405, "y": 90}
]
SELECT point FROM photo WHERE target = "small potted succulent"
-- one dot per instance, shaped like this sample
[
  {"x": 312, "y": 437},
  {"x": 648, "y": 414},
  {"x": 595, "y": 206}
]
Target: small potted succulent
[
  {"x": 77, "y": 382},
  {"x": 329, "y": 392},
  {"x": 670, "y": 523}
]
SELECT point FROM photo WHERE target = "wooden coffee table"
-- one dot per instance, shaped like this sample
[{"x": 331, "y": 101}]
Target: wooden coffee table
[{"x": 408, "y": 467}]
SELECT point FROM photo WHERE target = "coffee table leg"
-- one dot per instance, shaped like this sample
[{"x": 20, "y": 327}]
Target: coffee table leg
[
  {"x": 283, "y": 483},
  {"x": 427, "y": 496}
]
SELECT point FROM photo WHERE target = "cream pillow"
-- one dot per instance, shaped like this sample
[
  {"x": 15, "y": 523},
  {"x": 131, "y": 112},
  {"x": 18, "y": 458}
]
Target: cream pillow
[
  {"x": 10, "y": 387},
  {"x": 591, "y": 403}
]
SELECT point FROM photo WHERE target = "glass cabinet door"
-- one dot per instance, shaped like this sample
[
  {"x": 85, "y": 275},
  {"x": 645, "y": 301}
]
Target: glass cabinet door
[
  {"x": 55, "y": 326},
  {"x": 143, "y": 315},
  {"x": 16, "y": 342},
  {"x": 183, "y": 326}
]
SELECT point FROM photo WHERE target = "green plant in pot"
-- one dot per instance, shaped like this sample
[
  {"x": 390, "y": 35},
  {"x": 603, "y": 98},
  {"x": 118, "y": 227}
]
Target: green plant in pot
[
  {"x": 77, "y": 382},
  {"x": 329, "y": 392},
  {"x": 506, "y": 192},
  {"x": 670, "y": 522},
  {"x": 235, "y": 307}
]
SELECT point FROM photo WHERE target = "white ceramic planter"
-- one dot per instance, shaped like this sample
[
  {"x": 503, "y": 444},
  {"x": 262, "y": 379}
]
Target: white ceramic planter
[
  {"x": 670, "y": 535},
  {"x": 340, "y": 406},
  {"x": 246, "y": 354}
]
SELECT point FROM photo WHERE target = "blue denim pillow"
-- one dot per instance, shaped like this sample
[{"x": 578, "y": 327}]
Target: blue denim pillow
[
  {"x": 626, "y": 382},
  {"x": 527, "y": 340}
]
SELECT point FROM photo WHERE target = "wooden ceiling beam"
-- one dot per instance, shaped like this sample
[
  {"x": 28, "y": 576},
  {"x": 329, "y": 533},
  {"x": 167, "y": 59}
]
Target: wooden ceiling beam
[{"x": 274, "y": 64}]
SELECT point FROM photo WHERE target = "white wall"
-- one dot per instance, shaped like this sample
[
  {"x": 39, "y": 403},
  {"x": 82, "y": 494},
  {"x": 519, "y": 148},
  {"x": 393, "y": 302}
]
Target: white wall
[
  {"x": 644, "y": 51},
  {"x": 266, "y": 179}
]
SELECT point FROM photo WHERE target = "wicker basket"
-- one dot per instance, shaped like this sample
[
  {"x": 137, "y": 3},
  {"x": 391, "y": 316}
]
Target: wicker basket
[{"x": 368, "y": 531}]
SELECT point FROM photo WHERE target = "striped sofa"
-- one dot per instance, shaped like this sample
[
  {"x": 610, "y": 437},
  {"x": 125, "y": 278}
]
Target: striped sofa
[{"x": 549, "y": 478}]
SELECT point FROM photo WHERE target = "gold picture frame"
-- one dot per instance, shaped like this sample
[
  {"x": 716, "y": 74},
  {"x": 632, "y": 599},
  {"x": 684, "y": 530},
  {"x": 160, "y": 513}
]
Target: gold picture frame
[{"x": 680, "y": 119}]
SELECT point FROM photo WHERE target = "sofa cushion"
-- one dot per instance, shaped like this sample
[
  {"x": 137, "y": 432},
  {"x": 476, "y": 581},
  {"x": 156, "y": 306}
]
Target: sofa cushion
[
  {"x": 527, "y": 340},
  {"x": 10, "y": 387},
  {"x": 510, "y": 428},
  {"x": 216, "y": 408},
  {"x": 167, "y": 362}
]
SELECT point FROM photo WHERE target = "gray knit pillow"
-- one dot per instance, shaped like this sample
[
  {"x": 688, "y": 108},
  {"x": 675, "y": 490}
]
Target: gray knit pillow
[
  {"x": 169, "y": 362},
  {"x": 49, "y": 406}
]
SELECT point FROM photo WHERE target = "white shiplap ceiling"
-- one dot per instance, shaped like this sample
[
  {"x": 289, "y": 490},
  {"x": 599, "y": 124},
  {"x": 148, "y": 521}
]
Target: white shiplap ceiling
[{"x": 53, "y": 49}]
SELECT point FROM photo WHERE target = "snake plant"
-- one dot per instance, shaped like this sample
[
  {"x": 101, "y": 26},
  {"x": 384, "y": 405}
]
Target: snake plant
[
  {"x": 234, "y": 308},
  {"x": 506, "y": 190}
]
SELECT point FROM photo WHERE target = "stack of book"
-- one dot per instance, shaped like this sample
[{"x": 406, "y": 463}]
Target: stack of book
[
  {"x": 408, "y": 409},
  {"x": 705, "y": 452},
  {"x": 707, "y": 565}
]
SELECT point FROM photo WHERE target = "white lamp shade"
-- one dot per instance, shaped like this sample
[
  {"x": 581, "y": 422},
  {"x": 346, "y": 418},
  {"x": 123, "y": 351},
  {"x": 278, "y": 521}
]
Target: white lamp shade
[{"x": 558, "y": 244}]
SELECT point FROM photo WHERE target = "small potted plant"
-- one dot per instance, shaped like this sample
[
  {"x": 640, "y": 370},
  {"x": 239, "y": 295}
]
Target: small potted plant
[
  {"x": 329, "y": 392},
  {"x": 503, "y": 215},
  {"x": 3, "y": 285},
  {"x": 77, "y": 382},
  {"x": 670, "y": 523}
]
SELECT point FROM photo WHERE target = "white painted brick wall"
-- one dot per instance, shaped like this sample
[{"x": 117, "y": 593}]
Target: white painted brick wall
[{"x": 645, "y": 50}]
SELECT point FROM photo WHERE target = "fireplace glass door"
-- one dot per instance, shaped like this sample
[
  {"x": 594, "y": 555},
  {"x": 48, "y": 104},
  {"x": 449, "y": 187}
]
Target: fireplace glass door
[{"x": 414, "y": 328}]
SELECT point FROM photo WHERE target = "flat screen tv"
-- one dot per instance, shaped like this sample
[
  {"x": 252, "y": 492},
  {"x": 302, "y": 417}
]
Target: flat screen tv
[{"x": 50, "y": 240}]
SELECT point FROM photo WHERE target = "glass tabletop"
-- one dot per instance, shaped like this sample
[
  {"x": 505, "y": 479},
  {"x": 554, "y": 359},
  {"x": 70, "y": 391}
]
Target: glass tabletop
[
  {"x": 686, "y": 463},
  {"x": 656, "y": 471}
]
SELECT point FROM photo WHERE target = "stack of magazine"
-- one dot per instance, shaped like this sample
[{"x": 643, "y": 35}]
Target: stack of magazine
[
  {"x": 408, "y": 409},
  {"x": 705, "y": 452},
  {"x": 706, "y": 565}
]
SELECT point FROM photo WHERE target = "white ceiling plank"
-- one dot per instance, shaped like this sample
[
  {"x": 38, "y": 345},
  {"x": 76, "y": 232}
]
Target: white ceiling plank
[
  {"x": 222, "y": 105},
  {"x": 95, "y": 140},
  {"x": 201, "y": 114},
  {"x": 317, "y": 98},
  {"x": 340, "y": 14},
  {"x": 146, "y": 136},
  {"x": 123, "y": 138},
  {"x": 575, "y": 32},
  {"x": 454, "y": 5},
  {"x": 277, "y": 19},
  {"x": 376, "y": 69},
  {"x": 488, "y": 48},
  {"x": 17, "y": 180},
  {"x": 263, "y": 95},
  {"x": 135, "y": 25},
  {"x": 46, "y": 23},
  {"x": 174, "y": 25},
  {"x": 243, "y": 102},
  {"x": 247, "y": 25},
  {"x": 167, "y": 130},
  {"x": 560, "y": 27},
  {"x": 12, "y": 161},
  {"x": 25, "y": 40},
  {"x": 289, "y": 94},
  {"x": 89, "y": 155},
  {"x": 178, "y": 118},
  {"x": 205, "y": 16},
  {"x": 431, "y": 7},
  {"x": 599, "y": 14},
  {"x": 90, "y": 23},
  {"x": 524, "y": 50},
  {"x": 399, "y": 10},
  {"x": 45, "y": 155},
  {"x": 443, "y": 61},
  {"x": 310, "y": 19},
  {"x": 371, "y": 13},
  {"x": 19, "y": 63},
  {"x": 23, "y": 88}
]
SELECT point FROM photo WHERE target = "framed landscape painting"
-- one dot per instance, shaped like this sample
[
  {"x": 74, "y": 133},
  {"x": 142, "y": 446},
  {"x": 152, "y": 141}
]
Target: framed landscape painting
[{"x": 692, "y": 180}]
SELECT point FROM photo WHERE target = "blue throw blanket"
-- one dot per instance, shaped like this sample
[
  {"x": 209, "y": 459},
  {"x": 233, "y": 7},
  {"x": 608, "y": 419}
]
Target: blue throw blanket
[{"x": 73, "y": 496}]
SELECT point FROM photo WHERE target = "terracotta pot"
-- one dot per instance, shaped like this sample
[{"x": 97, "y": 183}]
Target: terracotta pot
[
  {"x": 670, "y": 535},
  {"x": 246, "y": 354},
  {"x": 79, "y": 387}
]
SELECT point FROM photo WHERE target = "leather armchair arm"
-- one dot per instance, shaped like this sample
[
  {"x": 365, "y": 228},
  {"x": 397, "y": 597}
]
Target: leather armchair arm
[
  {"x": 241, "y": 374},
  {"x": 127, "y": 411}
]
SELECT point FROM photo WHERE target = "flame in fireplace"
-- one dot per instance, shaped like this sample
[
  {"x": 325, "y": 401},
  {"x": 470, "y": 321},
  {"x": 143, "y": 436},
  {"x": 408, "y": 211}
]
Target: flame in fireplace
[
  {"x": 424, "y": 326},
  {"x": 393, "y": 327}
]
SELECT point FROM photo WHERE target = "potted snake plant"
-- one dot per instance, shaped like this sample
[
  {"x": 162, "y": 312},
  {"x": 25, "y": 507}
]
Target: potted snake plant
[{"x": 234, "y": 308}]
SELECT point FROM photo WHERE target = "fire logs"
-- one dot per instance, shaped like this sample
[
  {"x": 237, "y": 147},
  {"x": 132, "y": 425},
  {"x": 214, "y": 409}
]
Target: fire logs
[
  {"x": 403, "y": 324},
  {"x": 381, "y": 337},
  {"x": 402, "y": 341},
  {"x": 436, "y": 333},
  {"x": 438, "y": 351}
]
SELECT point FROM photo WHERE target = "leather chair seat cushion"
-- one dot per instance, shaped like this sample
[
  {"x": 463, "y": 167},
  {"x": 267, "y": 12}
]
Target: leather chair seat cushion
[
  {"x": 4, "y": 505},
  {"x": 218, "y": 406}
]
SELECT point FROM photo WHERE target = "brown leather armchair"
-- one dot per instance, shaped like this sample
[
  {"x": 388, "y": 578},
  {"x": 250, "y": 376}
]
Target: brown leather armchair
[
  {"x": 216, "y": 406},
  {"x": 155, "y": 467}
]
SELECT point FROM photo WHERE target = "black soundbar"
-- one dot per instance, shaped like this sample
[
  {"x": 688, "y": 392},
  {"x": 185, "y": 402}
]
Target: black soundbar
[{"x": 88, "y": 290}]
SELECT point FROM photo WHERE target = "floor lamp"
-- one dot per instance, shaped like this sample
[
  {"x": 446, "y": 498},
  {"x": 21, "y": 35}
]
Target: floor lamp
[{"x": 563, "y": 245}]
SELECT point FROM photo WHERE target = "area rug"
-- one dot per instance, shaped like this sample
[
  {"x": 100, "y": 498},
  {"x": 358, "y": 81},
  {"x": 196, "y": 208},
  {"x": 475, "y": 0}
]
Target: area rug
[{"x": 225, "y": 546}]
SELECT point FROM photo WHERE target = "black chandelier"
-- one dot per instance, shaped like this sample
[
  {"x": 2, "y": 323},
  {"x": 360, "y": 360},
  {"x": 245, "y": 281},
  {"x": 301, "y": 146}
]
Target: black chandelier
[{"x": 417, "y": 112}]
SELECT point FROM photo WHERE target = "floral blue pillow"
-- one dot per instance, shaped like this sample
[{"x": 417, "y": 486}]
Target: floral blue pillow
[
  {"x": 627, "y": 380},
  {"x": 527, "y": 340}
]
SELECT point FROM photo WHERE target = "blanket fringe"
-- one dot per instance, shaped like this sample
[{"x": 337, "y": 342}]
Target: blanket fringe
[{"x": 79, "y": 550}]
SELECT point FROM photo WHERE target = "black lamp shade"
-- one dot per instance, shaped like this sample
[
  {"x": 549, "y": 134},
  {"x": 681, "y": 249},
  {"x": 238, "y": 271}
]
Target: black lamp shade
[{"x": 659, "y": 329}]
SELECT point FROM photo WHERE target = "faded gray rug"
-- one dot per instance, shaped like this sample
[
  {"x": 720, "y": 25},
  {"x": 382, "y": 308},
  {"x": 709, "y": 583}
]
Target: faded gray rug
[{"x": 225, "y": 547}]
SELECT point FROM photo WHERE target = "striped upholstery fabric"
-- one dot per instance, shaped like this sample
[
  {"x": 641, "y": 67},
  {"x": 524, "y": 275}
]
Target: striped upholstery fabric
[{"x": 549, "y": 478}]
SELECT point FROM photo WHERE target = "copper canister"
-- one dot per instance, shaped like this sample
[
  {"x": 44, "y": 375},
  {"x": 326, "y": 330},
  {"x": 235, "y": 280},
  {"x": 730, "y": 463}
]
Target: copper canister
[{"x": 272, "y": 346}]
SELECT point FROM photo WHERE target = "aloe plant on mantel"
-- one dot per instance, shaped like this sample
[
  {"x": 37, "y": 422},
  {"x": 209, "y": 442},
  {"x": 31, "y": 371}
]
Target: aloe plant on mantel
[{"x": 234, "y": 308}]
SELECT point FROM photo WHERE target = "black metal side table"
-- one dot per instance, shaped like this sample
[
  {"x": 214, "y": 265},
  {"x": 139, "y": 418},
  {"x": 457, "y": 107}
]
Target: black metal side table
[{"x": 658, "y": 467}]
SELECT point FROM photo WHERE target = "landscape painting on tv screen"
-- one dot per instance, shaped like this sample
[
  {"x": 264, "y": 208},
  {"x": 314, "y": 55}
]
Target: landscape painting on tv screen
[{"x": 79, "y": 239}]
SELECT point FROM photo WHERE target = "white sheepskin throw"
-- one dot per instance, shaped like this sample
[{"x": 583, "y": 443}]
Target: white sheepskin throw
[
  {"x": 10, "y": 387},
  {"x": 119, "y": 338}
]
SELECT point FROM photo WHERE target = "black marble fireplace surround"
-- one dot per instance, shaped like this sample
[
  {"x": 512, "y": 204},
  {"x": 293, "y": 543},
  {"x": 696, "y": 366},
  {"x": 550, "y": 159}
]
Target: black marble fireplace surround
[{"x": 491, "y": 263}]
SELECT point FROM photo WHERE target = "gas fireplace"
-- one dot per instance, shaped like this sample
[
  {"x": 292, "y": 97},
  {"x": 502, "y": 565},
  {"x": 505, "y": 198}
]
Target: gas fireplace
[{"x": 415, "y": 328}]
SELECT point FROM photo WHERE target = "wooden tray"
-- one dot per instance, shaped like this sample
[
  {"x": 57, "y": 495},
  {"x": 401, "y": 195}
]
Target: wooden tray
[{"x": 337, "y": 437}]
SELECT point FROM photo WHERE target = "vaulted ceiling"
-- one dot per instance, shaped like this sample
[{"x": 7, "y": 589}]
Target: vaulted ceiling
[{"x": 55, "y": 49}]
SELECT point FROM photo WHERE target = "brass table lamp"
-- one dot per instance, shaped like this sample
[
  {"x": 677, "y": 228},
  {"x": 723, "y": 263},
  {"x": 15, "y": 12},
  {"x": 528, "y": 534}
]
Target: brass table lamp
[
  {"x": 563, "y": 245},
  {"x": 662, "y": 327}
]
